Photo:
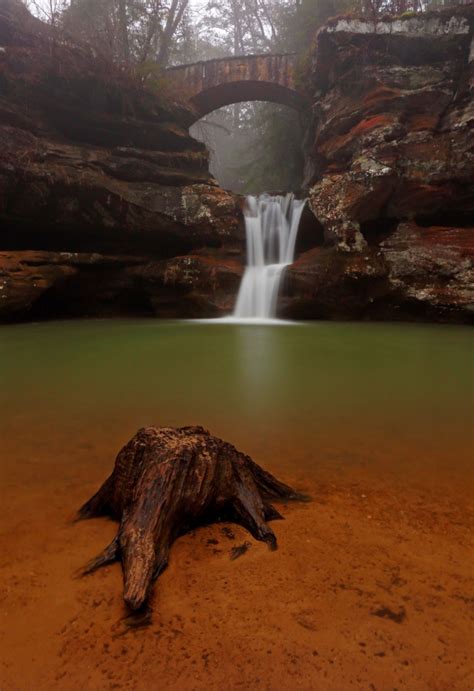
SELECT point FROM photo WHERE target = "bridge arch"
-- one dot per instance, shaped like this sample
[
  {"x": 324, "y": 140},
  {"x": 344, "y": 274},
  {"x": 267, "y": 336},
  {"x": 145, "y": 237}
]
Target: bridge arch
[{"x": 213, "y": 84}]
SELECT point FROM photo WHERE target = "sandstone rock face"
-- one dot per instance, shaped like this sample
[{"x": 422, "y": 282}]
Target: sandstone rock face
[
  {"x": 390, "y": 164},
  {"x": 431, "y": 271},
  {"x": 96, "y": 173},
  {"x": 393, "y": 122},
  {"x": 414, "y": 274},
  {"x": 37, "y": 285}
]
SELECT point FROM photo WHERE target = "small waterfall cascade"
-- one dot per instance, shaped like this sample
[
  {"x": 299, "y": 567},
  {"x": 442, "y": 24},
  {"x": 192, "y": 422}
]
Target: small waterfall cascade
[{"x": 271, "y": 224}]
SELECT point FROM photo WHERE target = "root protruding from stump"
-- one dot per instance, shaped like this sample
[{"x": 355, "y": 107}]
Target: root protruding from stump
[{"x": 167, "y": 481}]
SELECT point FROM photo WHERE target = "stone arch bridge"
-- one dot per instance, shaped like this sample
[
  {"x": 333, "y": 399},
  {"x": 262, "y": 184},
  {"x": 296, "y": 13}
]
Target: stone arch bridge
[{"x": 212, "y": 84}]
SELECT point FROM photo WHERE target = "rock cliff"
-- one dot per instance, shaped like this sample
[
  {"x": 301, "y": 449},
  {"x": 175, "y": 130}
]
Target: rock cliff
[
  {"x": 103, "y": 193},
  {"x": 390, "y": 170}
]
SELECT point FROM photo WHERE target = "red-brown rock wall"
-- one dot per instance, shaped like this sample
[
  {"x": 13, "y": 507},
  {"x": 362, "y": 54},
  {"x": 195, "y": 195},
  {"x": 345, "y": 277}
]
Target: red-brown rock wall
[
  {"x": 390, "y": 169},
  {"x": 98, "y": 176},
  {"x": 393, "y": 122}
]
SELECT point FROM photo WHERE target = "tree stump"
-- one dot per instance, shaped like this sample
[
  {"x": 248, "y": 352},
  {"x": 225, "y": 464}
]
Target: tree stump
[{"x": 167, "y": 481}]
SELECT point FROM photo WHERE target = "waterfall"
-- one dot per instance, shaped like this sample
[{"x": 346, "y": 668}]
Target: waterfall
[{"x": 271, "y": 225}]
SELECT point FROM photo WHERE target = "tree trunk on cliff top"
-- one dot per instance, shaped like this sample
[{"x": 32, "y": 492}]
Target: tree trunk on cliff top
[{"x": 167, "y": 481}]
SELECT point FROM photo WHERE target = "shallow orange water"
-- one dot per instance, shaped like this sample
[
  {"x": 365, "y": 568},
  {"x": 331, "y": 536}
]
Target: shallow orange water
[{"x": 371, "y": 586}]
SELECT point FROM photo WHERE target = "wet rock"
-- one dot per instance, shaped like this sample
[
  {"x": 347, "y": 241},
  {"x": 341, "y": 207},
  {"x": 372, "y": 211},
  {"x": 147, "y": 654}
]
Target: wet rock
[
  {"x": 390, "y": 165},
  {"x": 326, "y": 284},
  {"x": 415, "y": 273},
  {"x": 57, "y": 195},
  {"x": 191, "y": 286},
  {"x": 101, "y": 186},
  {"x": 22, "y": 283},
  {"x": 45, "y": 285},
  {"x": 392, "y": 125},
  {"x": 432, "y": 268}
]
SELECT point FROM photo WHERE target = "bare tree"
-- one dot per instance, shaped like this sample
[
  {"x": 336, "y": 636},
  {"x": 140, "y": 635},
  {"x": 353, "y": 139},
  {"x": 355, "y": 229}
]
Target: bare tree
[
  {"x": 132, "y": 32},
  {"x": 49, "y": 11},
  {"x": 173, "y": 20}
]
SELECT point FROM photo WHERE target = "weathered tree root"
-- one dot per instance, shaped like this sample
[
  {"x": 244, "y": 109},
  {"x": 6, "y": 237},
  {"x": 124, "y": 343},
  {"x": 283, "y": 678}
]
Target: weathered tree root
[{"x": 167, "y": 481}]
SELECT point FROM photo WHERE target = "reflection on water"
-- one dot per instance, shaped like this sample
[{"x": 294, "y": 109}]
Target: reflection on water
[
  {"x": 257, "y": 359},
  {"x": 394, "y": 396}
]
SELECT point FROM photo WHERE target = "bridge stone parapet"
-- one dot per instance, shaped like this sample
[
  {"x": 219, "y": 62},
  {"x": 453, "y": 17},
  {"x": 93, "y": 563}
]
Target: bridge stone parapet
[{"x": 213, "y": 84}]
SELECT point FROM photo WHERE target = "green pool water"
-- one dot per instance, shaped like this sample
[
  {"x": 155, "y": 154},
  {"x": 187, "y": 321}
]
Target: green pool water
[{"x": 394, "y": 398}]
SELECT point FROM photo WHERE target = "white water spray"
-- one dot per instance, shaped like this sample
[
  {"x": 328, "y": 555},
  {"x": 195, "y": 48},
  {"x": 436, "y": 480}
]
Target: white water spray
[{"x": 271, "y": 225}]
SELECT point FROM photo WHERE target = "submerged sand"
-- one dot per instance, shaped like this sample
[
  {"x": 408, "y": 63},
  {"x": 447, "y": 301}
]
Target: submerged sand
[{"x": 371, "y": 587}]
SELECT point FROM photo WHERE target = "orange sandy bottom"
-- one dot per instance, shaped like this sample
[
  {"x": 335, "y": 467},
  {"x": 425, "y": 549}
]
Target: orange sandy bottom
[{"x": 369, "y": 589}]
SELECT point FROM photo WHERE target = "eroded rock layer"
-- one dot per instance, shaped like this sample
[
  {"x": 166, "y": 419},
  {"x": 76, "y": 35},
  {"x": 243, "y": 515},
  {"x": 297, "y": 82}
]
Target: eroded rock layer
[
  {"x": 390, "y": 170},
  {"x": 103, "y": 193}
]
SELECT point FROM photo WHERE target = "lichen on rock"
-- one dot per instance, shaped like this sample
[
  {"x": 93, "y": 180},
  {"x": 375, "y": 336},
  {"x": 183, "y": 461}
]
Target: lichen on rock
[{"x": 392, "y": 148}]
